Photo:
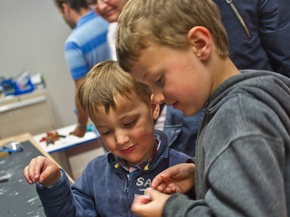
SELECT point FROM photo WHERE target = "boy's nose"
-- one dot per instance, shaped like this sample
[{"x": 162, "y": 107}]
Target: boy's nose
[{"x": 121, "y": 138}]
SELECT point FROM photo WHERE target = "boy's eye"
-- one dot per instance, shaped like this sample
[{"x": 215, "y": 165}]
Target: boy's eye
[
  {"x": 130, "y": 124},
  {"x": 160, "y": 82},
  {"x": 105, "y": 133}
]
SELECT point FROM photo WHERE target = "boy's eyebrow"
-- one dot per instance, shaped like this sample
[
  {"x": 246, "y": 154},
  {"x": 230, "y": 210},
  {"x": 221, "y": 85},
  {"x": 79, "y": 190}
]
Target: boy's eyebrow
[
  {"x": 146, "y": 74},
  {"x": 100, "y": 126}
]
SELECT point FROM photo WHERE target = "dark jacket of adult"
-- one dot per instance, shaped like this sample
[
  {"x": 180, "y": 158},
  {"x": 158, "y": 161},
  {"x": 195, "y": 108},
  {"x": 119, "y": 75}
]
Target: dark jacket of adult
[{"x": 259, "y": 33}]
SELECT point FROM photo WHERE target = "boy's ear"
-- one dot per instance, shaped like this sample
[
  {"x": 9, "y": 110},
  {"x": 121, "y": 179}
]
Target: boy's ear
[
  {"x": 155, "y": 109},
  {"x": 201, "y": 42}
]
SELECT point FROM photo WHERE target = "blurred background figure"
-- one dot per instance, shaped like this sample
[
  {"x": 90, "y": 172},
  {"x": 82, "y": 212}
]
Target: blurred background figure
[
  {"x": 110, "y": 10},
  {"x": 84, "y": 47}
]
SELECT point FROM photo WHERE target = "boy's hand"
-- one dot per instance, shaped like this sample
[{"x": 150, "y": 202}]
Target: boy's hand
[
  {"x": 178, "y": 178},
  {"x": 151, "y": 204},
  {"x": 42, "y": 170}
]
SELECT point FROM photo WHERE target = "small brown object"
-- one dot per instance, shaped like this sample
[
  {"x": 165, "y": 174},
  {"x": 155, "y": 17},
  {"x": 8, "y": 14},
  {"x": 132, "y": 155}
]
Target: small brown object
[
  {"x": 3, "y": 154},
  {"x": 51, "y": 137}
]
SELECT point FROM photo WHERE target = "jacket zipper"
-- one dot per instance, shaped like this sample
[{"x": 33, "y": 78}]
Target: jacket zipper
[{"x": 240, "y": 18}]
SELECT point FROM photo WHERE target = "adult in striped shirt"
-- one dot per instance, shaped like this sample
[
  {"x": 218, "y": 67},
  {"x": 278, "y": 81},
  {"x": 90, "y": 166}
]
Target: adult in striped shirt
[{"x": 84, "y": 47}]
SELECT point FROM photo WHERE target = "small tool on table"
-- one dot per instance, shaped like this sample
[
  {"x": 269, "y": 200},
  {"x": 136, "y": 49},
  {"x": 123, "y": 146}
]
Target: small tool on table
[
  {"x": 9, "y": 148},
  {"x": 4, "y": 178}
]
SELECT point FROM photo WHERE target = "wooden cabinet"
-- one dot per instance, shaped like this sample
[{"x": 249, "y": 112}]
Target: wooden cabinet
[{"x": 27, "y": 113}]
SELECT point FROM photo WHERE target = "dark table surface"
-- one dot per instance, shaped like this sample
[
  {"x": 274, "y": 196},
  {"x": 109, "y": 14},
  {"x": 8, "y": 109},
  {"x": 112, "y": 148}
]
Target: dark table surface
[{"x": 17, "y": 197}]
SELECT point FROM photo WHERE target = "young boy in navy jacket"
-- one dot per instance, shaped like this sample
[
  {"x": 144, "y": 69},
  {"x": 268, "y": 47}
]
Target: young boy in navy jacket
[{"x": 122, "y": 111}]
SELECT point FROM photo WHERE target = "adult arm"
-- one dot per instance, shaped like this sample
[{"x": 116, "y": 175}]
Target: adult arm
[
  {"x": 78, "y": 68},
  {"x": 82, "y": 117}
]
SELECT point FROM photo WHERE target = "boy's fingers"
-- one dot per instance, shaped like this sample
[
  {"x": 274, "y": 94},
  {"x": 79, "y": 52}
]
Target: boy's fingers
[
  {"x": 38, "y": 164},
  {"x": 161, "y": 187},
  {"x": 26, "y": 175},
  {"x": 158, "y": 181},
  {"x": 33, "y": 170},
  {"x": 151, "y": 193},
  {"x": 140, "y": 202},
  {"x": 170, "y": 190},
  {"x": 142, "y": 199},
  {"x": 48, "y": 174},
  {"x": 44, "y": 175}
]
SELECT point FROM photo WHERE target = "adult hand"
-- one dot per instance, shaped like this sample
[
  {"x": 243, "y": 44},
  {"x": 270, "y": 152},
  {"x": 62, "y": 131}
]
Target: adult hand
[
  {"x": 42, "y": 170},
  {"x": 78, "y": 131},
  {"x": 178, "y": 178},
  {"x": 151, "y": 204}
]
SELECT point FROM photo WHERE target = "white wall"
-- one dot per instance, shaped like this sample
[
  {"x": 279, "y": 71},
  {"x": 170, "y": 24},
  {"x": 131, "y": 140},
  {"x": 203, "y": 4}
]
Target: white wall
[{"x": 32, "y": 35}]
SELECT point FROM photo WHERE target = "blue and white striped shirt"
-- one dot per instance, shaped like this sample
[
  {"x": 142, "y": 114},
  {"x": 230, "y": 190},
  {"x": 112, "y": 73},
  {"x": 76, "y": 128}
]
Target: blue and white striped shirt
[{"x": 87, "y": 45}]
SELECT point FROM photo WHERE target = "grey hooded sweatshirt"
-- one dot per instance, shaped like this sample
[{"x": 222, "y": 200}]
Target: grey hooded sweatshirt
[{"x": 243, "y": 151}]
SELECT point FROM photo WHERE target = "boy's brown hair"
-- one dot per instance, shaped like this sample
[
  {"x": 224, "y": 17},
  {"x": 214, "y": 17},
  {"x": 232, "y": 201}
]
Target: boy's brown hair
[
  {"x": 165, "y": 23},
  {"x": 104, "y": 82}
]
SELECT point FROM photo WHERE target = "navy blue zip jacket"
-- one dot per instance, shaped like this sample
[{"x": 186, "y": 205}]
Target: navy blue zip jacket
[
  {"x": 259, "y": 33},
  {"x": 104, "y": 189}
]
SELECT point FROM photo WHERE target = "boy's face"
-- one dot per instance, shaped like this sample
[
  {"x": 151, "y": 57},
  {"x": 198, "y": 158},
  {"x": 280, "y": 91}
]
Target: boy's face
[
  {"x": 177, "y": 77},
  {"x": 109, "y": 9},
  {"x": 128, "y": 131}
]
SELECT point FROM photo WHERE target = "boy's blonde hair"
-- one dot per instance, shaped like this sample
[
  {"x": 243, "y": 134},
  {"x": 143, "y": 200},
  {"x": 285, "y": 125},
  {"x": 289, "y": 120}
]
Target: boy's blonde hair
[
  {"x": 104, "y": 82},
  {"x": 166, "y": 23}
]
